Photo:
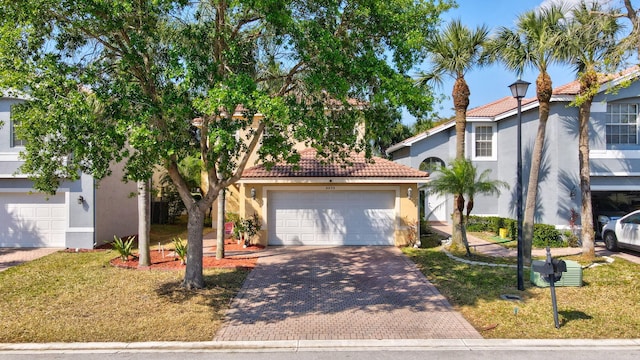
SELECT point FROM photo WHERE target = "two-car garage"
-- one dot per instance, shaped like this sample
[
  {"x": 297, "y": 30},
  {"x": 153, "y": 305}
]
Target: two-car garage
[{"x": 331, "y": 217}]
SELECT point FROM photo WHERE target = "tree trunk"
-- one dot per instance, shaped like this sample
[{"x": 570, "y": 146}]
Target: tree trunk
[
  {"x": 220, "y": 221},
  {"x": 460, "y": 95},
  {"x": 193, "y": 277},
  {"x": 587, "y": 235},
  {"x": 463, "y": 232},
  {"x": 544, "y": 91},
  {"x": 144, "y": 224}
]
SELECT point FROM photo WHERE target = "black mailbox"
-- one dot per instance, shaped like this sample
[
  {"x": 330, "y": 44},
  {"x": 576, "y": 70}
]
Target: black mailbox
[
  {"x": 551, "y": 271},
  {"x": 550, "y": 267}
]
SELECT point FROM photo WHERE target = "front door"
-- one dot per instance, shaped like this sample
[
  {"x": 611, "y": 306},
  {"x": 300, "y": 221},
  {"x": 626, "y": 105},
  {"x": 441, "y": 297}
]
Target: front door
[{"x": 436, "y": 207}]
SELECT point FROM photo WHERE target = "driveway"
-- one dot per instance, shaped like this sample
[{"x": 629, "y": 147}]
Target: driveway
[
  {"x": 15, "y": 256},
  {"x": 340, "y": 293}
]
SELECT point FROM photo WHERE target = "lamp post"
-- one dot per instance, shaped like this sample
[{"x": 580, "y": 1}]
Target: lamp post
[{"x": 519, "y": 90}]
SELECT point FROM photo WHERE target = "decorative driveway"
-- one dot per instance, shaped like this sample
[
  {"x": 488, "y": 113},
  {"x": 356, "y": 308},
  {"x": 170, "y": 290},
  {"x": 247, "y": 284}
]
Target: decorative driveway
[{"x": 340, "y": 293}]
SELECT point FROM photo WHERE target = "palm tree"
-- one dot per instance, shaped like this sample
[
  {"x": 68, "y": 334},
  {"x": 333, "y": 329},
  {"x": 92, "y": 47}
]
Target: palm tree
[
  {"x": 592, "y": 44},
  {"x": 535, "y": 43},
  {"x": 453, "y": 52},
  {"x": 462, "y": 179}
]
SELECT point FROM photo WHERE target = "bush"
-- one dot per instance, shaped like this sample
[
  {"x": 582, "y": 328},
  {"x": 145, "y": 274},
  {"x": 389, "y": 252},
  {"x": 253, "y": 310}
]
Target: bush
[
  {"x": 546, "y": 235},
  {"x": 123, "y": 247},
  {"x": 180, "y": 248}
]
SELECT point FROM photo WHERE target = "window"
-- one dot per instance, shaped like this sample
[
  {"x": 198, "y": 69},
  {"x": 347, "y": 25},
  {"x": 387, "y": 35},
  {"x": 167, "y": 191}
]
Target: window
[
  {"x": 484, "y": 144},
  {"x": 431, "y": 164},
  {"x": 15, "y": 140},
  {"x": 622, "y": 124}
]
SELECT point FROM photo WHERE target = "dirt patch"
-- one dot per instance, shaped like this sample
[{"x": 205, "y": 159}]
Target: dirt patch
[{"x": 167, "y": 260}]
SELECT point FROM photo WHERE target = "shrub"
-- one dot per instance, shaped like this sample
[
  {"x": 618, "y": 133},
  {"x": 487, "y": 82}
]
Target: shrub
[
  {"x": 546, "y": 235},
  {"x": 123, "y": 247},
  {"x": 180, "y": 248}
]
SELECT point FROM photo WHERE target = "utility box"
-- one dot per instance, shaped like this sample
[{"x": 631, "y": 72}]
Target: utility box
[{"x": 572, "y": 277}]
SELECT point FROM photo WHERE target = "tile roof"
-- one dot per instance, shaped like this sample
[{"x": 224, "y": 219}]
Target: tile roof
[
  {"x": 497, "y": 107},
  {"x": 312, "y": 166}
]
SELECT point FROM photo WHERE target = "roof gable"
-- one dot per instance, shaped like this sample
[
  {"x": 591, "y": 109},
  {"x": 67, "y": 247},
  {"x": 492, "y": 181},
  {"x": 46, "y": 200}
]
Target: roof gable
[{"x": 356, "y": 166}]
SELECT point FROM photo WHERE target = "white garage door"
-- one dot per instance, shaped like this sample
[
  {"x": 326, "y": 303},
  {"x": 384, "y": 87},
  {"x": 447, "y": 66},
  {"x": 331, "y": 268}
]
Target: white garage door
[
  {"x": 32, "y": 220},
  {"x": 331, "y": 217}
]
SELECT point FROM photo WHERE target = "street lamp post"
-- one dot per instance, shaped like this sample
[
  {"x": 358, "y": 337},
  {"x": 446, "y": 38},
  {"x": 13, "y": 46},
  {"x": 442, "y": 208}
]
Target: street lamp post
[{"x": 519, "y": 90}]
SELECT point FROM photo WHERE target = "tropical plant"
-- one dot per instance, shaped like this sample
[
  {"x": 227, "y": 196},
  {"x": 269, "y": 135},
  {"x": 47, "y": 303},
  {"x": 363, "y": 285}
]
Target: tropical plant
[
  {"x": 592, "y": 44},
  {"x": 462, "y": 178},
  {"x": 180, "y": 248},
  {"x": 123, "y": 247},
  {"x": 536, "y": 43},
  {"x": 250, "y": 227},
  {"x": 453, "y": 52},
  {"x": 258, "y": 76}
]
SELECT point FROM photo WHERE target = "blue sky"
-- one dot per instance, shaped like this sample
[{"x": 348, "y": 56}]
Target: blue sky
[{"x": 491, "y": 83}]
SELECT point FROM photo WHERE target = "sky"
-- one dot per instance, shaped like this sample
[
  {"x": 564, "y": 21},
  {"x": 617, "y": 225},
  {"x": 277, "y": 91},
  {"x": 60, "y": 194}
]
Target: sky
[{"x": 491, "y": 83}]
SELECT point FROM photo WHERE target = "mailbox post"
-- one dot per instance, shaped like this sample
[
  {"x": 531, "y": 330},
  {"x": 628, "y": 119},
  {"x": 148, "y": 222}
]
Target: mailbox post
[{"x": 551, "y": 270}]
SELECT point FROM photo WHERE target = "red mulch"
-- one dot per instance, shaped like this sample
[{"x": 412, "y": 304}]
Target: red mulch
[{"x": 171, "y": 262}]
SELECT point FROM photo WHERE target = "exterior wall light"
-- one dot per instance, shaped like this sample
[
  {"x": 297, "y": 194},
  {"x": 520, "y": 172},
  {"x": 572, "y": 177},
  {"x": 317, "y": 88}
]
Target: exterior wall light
[
  {"x": 409, "y": 192},
  {"x": 253, "y": 193},
  {"x": 80, "y": 200}
]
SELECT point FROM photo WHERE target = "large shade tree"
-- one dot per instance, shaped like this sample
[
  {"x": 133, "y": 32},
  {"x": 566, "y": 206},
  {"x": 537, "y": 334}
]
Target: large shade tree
[
  {"x": 453, "y": 52},
  {"x": 274, "y": 72},
  {"x": 592, "y": 43},
  {"x": 535, "y": 42}
]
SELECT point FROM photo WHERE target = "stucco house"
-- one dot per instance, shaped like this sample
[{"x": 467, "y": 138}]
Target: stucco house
[
  {"x": 82, "y": 213},
  {"x": 491, "y": 138},
  {"x": 357, "y": 202}
]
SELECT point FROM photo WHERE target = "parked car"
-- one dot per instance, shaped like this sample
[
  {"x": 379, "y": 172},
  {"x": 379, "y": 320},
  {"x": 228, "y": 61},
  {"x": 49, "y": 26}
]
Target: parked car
[{"x": 623, "y": 233}]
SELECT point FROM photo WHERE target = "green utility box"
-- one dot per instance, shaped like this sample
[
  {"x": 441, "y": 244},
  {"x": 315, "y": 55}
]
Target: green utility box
[{"x": 573, "y": 276}]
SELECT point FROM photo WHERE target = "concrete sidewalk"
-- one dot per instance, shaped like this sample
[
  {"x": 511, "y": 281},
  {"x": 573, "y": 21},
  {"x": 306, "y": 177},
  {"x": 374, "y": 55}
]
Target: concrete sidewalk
[{"x": 492, "y": 249}]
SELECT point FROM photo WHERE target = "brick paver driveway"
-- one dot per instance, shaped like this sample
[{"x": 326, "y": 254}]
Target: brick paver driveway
[{"x": 311, "y": 293}]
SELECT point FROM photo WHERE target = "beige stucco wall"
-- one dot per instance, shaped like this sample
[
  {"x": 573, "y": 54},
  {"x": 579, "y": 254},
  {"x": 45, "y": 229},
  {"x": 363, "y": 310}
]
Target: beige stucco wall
[{"x": 406, "y": 208}]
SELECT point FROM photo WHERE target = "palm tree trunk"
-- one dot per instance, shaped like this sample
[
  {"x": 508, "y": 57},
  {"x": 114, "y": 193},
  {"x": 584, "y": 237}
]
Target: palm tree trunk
[
  {"x": 532, "y": 187},
  {"x": 460, "y": 97},
  {"x": 587, "y": 235}
]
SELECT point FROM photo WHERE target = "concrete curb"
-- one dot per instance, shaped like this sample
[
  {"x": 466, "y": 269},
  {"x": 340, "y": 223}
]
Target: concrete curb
[{"x": 325, "y": 345}]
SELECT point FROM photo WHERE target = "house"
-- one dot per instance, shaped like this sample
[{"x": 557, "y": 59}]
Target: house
[
  {"x": 82, "y": 213},
  {"x": 357, "y": 202},
  {"x": 491, "y": 143}
]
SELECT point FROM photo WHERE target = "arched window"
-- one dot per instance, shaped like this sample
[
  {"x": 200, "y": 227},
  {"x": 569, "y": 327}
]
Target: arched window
[{"x": 431, "y": 163}]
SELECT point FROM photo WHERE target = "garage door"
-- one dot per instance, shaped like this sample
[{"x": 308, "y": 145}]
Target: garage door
[
  {"x": 331, "y": 218},
  {"x": 32, "y": 220}
]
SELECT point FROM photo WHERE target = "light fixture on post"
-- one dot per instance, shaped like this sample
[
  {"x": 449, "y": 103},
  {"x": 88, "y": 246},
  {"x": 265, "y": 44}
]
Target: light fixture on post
[
  {"x": 518, "y": 91},
  {"x": 409, "y": 192},
  {"x": 80, "y": 200},
  {"x": 253, "y": 193}
]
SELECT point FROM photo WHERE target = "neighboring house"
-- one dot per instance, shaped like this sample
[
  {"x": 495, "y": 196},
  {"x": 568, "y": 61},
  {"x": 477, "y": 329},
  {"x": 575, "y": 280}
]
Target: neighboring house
[
  {"x": 491, "y": 136},
  {"x": 317, "y": 203},
  {"x": 82, "y": 214}
]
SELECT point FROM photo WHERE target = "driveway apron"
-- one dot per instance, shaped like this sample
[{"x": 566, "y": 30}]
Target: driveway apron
[{"x": 340, "y": 293}]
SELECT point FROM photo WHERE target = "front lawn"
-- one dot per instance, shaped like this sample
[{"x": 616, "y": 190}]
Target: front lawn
[
  {"x": 604, "y": 307},
  {"x": 80, "y": 297}
]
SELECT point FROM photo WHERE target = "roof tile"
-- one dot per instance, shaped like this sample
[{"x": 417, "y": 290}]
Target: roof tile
[{"x": 356, "y": 166}]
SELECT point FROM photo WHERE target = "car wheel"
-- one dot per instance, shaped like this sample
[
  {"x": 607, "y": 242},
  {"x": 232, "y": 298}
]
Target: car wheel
[{"x": 610, "y": 241}]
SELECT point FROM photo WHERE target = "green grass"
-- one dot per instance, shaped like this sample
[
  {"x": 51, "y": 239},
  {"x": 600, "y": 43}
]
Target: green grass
[
  {"x": 604, "y": 307},
  {"x": 69, "y": 297}
]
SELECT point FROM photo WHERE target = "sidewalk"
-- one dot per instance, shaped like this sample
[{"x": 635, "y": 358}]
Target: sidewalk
[{"x": 492, "y": 249}]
